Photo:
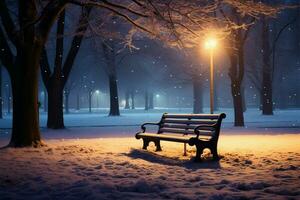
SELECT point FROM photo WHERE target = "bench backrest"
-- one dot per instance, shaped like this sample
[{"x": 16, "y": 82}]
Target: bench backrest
[{"x": 186, "y": 123}]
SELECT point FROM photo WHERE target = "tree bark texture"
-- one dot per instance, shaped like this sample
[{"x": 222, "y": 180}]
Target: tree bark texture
[
  {"x": 132, "y": 99},
  {"x": 114, "y": 98},
  {"x": 110, "y": 56},
  {"x": 23, "y": 68},
  {"x": 1, "y": 97},
  {"x": 151, "y": 100},
  {"x": 266, "y": 88},
  {"x": 67, "y": 94},
  {"x": 236, "y": 92},
  {"x": 25, "y": 130}
]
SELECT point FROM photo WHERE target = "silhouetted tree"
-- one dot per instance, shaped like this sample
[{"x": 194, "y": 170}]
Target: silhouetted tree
[
  {"x": 1, "y": 97},
  {"x": 266, "y": 88},
  {"x": 55, "y": 81},
  {"x": 132, "y": 96},
  {"x": 146, "y": 100},
  {"x": 29, "y": 31},
  {"x": 127, "y": 99},
  {"x": 110, "y": 59}
]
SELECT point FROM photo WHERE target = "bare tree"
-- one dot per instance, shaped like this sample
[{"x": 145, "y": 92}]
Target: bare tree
[
  {"x": 29, "y": 32},
  {"x": 237, "y": 38},
  {"x": 55, "y": 81},
  {"x": 237, "y": 67},
  {"x": 266, "y": 87},
  {"x": 70, "y": 85},
  {"x": 109, "y": 52},
  {"x": 1, "y": 97}
]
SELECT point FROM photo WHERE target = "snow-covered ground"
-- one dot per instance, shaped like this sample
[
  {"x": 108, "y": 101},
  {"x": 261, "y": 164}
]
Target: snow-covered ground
[
  {"x": 253, "y": 118},
  {"x": 252, "y": 167},
  {"x": 97, "y": 157}
]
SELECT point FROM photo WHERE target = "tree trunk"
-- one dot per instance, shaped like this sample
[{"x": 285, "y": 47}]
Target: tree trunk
[
  {"x": 45, "y": 100},
  {"x": 90, "y": 101},
  {"x": 23, "y": 68},
  {"x": 267, "y": 102},
  {"x": 238, "y": 104},
  {"x": 24, "y": 79},
  {"x": 151, "y": 100},
  {"x": 8, "y": 98},
  {"x": 67, "y": 93},
  {"x": 61, "y": 70},
  {"x": 77, "y": 102},
  {"x": 243, "y": 98},
  {"x": 132, "y": 100},
  {"x": 146, "y": 100},
  {"x": 114, "y": 99},
  {"x": 1, "y": 101},
  {"x": 239, "y": 79},
  {"x": 236, "y": 91},
  {"x": 127, "y": 100},
  {"x": 54, "y": 83},
  {"x": 55, "y": 104},
  {"x": 197, "y": 95},
  {"x": 110, "y": 57}
]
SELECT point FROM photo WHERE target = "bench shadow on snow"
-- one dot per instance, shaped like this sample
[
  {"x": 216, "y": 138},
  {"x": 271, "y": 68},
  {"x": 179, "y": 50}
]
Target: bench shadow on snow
[{"x": 163, "y": 160}]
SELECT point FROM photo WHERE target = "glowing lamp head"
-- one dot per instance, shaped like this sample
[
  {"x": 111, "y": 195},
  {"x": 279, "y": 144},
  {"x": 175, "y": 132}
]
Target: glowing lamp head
[
  {"x": 210, "y": 43},
  {"x": 97, "y": 91}
]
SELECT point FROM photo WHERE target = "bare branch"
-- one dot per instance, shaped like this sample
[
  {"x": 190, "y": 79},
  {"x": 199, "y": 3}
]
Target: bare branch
[
  {"x": 108, "y": 5},
  {"x": 48, "y": 16},
  {"x": 8, "y": 23},
  {"x": 76, "y": 42},
  {"x": 45, "y": 67},
  {"x": 6, "y": 55}
]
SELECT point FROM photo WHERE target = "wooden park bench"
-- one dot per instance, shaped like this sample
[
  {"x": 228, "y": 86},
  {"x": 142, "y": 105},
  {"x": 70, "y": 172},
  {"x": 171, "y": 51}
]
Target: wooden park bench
[{"x": 201, "y": 130}]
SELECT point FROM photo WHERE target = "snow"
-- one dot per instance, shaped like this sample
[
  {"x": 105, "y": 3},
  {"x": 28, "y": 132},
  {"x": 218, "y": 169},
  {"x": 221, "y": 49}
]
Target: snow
[
  {"x": 105, "y": 161},
  {"x": 253, "y": 117},
  {"x": 252, "y": 167}
]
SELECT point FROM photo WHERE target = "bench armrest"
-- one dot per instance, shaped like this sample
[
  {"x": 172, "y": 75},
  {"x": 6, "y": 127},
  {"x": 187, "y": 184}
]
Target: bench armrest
[
  {"x": 148, "y": 123},
  {"x": 196, "y": 130}
]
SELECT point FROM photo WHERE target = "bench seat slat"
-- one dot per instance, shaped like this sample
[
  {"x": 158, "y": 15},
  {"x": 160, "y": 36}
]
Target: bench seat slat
[
  {"x": 193, "y": 116},
  {"x": 171, "y": 137},
  {"x": 182, "y": 131},
  {"x": 178, "y": 121},
  {"x": 172, "y": 130},
  {"x": 182, "y": 126}
]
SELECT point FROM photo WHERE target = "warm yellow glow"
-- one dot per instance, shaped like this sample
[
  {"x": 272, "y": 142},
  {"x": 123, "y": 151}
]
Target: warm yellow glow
[{"x": 210, "y": 43}]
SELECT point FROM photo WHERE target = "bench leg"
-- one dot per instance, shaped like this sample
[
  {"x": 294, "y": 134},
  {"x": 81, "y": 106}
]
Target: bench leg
[
  {"x": 157, "y": 144},
  {"x": 199, "y": 151},
  {"x": 214, "y": 152},
  {"x": 145, "y": 143}
]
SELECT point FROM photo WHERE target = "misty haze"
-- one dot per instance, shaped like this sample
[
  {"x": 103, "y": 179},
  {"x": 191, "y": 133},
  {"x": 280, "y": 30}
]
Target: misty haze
[{"x": 149, "y": 99}]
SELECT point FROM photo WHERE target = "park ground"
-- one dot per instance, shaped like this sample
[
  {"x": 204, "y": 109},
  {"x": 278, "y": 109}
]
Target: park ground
[{"x": 97, "y": 157}]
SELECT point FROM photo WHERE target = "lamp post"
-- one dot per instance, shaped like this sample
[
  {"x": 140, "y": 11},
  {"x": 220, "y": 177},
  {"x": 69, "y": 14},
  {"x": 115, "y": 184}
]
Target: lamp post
[{"x": 210, "y": 44}]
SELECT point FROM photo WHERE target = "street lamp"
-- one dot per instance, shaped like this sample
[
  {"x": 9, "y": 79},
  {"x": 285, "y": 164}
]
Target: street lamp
[{"x": 210, "y": 44}]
